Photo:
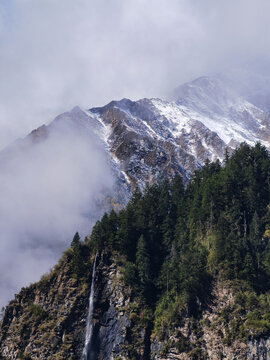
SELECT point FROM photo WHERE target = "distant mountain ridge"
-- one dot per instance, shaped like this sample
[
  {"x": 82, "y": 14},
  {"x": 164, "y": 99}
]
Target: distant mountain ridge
[
  {"x": 146, "y": 140},
  {"x": 151, "y": 138}
]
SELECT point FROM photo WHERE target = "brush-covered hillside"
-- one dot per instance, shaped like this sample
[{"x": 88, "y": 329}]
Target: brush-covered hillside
[{"x": 182, "y": 273}]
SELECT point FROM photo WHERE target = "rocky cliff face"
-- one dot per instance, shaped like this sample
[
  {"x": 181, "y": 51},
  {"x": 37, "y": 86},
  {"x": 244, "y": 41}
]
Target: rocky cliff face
[
  {"x": 216, "y": 334},
  {"x": 121, "y": 324},
  {"x": 48, "y": 321}
]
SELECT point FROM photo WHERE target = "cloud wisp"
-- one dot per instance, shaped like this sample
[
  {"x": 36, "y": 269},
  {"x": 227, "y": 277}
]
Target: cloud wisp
[{"x": 51, "y": 186}]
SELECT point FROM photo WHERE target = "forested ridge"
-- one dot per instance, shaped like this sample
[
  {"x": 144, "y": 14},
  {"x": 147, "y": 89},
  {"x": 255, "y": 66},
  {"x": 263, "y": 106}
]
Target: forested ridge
[
  {"x": 182, "y": 272},
  {"x": 174, "y": 242}
]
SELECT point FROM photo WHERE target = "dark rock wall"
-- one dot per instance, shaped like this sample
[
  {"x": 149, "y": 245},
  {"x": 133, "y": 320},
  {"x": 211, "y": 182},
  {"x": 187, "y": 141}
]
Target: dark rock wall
[{"x": 48, "y": 321}]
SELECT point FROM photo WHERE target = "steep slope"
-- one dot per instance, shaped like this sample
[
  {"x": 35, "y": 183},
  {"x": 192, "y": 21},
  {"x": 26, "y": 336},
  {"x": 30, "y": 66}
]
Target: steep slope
[
  {"x": 53, "y": 183},
  {"x": 48, "y": 320},
  {"x": 220, "y": 106},
  {"x": 181, "y": 273},
  {"x": 151, "y": 138},
  {"x": 217, "y": 335},
  {"x": 142, "y": 141}
]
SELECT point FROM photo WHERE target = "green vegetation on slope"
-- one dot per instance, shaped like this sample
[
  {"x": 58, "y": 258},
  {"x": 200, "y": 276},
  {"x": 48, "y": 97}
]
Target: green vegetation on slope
[
  {"x": 47, "y": 317},
  {"x": 175, "y": 241},
  {"x": 177, "y": 256}
]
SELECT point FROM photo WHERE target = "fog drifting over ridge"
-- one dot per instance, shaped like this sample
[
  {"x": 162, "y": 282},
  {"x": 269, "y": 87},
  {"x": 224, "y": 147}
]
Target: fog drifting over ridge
[
  {"x": 58, "y": 54},
  {"x": 51, "y": 186}
]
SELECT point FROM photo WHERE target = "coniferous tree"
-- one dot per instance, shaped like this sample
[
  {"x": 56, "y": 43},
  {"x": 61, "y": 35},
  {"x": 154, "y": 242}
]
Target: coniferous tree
[
  {"x": 143, "y": 265},
  {"x": 172, "y": 239},
  {"x": 78, "y": 265},
  {"x": 75, "y": 243}
]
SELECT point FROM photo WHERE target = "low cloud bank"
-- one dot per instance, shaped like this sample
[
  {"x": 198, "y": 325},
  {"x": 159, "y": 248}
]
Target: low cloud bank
[{"x": 51, "y": 185}]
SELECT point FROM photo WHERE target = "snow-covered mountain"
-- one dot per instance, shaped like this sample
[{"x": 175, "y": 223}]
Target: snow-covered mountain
[
  {"x": 63, "y": 176},
  {"x": 150, "y": 138},
  {"x": 219, "y": 105}
]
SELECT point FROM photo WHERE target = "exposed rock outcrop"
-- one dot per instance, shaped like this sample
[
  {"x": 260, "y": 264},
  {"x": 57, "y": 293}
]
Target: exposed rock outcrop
[
  {"x": 48, "y": 321},
  {"x": 220, "y": 332}
]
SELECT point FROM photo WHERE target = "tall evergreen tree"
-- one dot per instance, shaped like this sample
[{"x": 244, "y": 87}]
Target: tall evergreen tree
[{"x": 143, "y": 265}]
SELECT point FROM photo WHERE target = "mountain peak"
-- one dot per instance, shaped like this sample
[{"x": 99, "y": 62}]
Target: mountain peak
[{"x": 140, "y": 141}]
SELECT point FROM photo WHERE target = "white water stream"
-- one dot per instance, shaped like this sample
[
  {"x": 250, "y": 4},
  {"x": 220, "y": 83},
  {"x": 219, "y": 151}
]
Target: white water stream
[{"x": 87, "y": 352}]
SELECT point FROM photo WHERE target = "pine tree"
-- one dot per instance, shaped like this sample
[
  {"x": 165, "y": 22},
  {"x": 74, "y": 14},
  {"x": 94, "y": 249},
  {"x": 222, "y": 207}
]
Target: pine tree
[
  {"x": 75, "y": 241},
  {"x": 78, "y": 266},
  {"x": 143, "y": 265}
]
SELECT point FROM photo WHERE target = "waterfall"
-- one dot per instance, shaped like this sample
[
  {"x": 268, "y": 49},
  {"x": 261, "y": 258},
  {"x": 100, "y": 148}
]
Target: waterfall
[{"x": 87, "y": 353}]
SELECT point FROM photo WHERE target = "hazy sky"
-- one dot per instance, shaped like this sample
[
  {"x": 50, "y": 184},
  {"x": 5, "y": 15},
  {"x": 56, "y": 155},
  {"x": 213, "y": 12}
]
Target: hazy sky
[{"x": 55, "y": 54}]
